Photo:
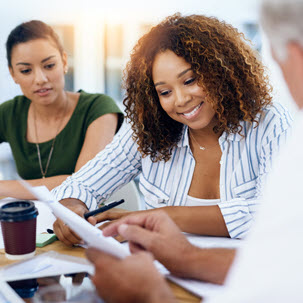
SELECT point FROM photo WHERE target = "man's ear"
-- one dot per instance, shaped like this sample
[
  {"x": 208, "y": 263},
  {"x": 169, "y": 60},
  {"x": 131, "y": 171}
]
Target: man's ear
[
  {"x": 295, "y": 50},
  {"x": 11, "y": 71},
  {"x": 292, "y": 69},
  {"x": 295, "y": 53}
]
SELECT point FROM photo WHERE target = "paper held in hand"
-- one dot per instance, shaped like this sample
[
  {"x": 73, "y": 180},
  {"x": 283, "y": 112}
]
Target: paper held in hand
[{"x": 92, "y": 236}]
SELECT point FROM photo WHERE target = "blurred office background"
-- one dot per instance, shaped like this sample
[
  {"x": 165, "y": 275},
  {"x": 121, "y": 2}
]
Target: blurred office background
[{"x": 98, "y": 36}]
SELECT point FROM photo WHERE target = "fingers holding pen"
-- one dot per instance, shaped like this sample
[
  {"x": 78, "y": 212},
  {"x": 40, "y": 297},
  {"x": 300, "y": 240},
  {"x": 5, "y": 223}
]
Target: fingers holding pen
[
  {"x": 65, "y": 234},
  {"x": 62, "y": 231},
  {"x": 92, "y": 220}
]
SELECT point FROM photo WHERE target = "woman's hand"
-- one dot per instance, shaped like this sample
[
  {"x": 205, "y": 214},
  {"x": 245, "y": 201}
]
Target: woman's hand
[
  {"x": 62, "y": 231},
  {"x": 133, "y": 279},
  {"x": 111, "y": 215}
]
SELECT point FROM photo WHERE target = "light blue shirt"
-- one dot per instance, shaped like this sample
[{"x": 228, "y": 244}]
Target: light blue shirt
[{"x": 245, "y": 162}]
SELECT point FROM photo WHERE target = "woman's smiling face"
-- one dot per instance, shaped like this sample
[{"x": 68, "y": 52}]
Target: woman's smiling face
[{"x": 179, "y": 93}]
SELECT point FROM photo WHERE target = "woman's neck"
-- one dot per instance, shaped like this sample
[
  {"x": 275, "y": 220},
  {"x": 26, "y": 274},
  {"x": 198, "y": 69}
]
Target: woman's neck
[
  {"x": 206, "y": 134},
  {"x": 53, "y": 111}
]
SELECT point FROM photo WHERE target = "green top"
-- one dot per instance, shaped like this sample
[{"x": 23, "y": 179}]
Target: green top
[{"x": 68, "y": 144}]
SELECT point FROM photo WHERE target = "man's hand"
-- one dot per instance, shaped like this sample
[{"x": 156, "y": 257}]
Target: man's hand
[
  {"x": 133, "y": 279},
  {"x": 62, "y": 231},
  {"x": 158, "y": 234}
]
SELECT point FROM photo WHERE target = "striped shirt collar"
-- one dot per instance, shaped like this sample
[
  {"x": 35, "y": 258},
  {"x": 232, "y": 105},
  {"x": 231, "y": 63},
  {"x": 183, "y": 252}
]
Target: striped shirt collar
[{"x": 184, "y": 141}]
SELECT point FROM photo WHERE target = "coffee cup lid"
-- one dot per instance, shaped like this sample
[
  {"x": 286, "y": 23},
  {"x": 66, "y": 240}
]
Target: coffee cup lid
[{"x": 18, "y": 211}]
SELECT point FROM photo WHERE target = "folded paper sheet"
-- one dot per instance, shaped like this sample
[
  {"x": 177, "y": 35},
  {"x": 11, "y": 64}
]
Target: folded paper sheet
[
  {"x": 44, "y": 265},
  {"x": 92, "y": 236},
  {"x": 7, "y": 294}
]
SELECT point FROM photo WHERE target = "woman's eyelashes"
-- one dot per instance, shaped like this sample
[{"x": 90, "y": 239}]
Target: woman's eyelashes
[
  {"x": 47, "y": 67},
  {"x": 164, "y": 93},
  {"x": 25, "y": 71},
  {"x": 50, "y": 65},
  {"x": 190, "y": 81}
]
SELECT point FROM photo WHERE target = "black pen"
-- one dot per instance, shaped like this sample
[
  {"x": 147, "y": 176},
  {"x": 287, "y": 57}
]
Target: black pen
[
  {"x": 103, "y": 208},
  {"x": 95, "y": 212}
]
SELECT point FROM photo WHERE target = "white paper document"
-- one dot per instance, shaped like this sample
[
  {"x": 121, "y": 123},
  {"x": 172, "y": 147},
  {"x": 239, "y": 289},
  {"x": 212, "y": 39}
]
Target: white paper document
[
  {"x": 8, "y": 295},
  {"x": 196, "y": 287},
  {"x": 213, "y": 242},
  {"x": 45, "y": 265},
  {"x": 92, "y": 236}
]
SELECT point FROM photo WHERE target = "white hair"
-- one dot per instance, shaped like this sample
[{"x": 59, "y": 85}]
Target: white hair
[{"x": 282, "y": 21}]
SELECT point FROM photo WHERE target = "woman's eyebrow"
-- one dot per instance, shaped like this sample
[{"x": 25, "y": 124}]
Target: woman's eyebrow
[
  {"x": 44, "y": 60},
  {"x": 159, "y": 83},
  {"x": 184, "y": 72},
  {"x": 50, "y": 57},
  {"x": 178, "y": 76},
  {"x": 22, "y": 63}
]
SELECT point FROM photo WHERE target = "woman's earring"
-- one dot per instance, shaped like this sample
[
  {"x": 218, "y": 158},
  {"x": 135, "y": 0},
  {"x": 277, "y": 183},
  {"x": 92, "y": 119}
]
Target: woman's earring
[{"x": 65, "y": 70}]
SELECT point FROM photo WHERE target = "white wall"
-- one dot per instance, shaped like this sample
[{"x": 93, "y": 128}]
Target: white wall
[{"x": 88, "y": 18}]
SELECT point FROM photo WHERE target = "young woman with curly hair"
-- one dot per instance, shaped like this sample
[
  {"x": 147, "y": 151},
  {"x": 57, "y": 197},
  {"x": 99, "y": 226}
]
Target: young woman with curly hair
[{"x": 202, "y": 134}]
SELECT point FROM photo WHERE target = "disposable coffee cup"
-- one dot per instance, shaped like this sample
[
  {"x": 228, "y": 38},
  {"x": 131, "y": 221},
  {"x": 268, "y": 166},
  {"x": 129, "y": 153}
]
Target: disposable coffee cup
[{"x": 18, "y": 224}]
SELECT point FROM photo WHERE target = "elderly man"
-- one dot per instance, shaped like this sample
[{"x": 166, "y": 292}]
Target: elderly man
[{"x": 269, "y": 268}]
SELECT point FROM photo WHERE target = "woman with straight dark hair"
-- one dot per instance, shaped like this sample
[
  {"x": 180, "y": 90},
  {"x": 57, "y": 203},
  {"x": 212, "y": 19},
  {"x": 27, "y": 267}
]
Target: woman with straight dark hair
[{"x": 52, "y": 132}]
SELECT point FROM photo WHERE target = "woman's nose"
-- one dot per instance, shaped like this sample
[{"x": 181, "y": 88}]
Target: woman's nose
[
  {"x": 182, "y": 97},
  {"x": 40, "y": 76}
]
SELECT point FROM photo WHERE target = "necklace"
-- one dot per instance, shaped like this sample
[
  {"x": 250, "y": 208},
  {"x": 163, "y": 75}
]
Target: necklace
[
  {"x": 43, "y": 172},
  {"x": 201, "y": 147}
]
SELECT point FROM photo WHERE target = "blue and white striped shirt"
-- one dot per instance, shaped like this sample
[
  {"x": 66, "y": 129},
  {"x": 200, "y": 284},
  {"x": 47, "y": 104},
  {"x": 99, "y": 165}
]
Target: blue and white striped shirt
[{"x": 245, "y": 162}]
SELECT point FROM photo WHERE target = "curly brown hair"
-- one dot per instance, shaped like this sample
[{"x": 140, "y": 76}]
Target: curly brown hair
[{"x": 226, "y": 68}]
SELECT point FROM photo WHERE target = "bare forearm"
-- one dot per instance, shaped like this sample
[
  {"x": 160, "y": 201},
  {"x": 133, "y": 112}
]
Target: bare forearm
[
  {"x": 160, "y": 293},
  {"x": 210, "y": 265},
  {"x": 12, "y": 188},
  {"x": 202, "y": 220},
  {"x": 71, "y": 203}
]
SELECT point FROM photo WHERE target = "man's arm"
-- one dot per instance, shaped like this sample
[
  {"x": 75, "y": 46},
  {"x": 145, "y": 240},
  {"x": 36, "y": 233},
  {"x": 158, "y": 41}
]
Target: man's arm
[{"x": 157, "y": 233}]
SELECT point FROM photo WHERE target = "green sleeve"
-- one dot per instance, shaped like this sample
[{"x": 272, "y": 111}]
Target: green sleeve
[
  {"x": 6, "y": 114},
  {"x": 100, "y": 105},
  {"x": 2, "y": 123}
]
